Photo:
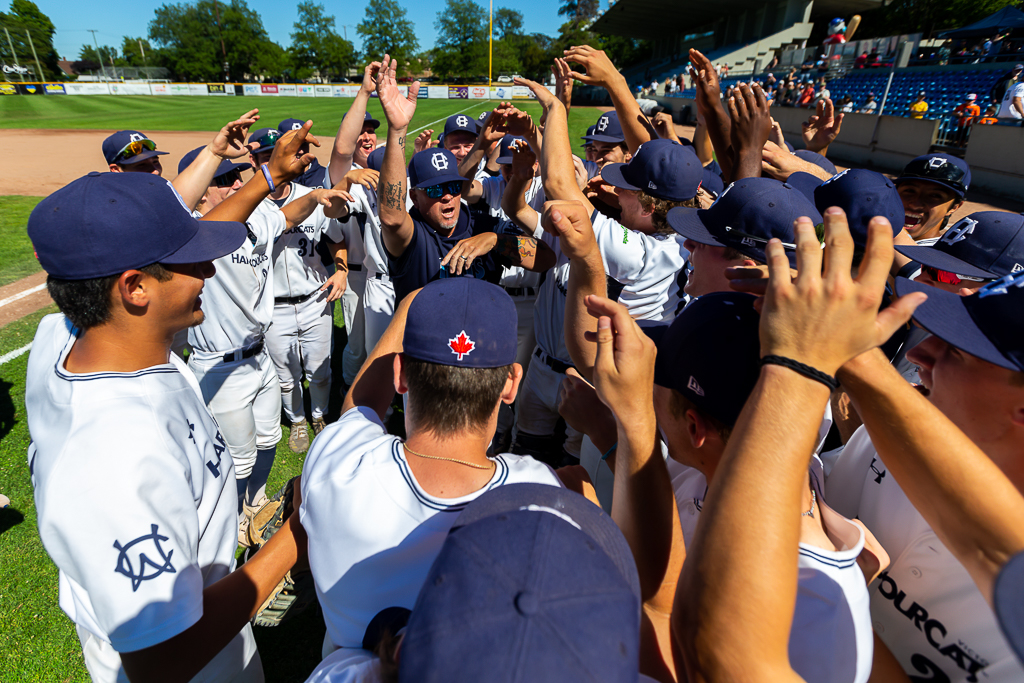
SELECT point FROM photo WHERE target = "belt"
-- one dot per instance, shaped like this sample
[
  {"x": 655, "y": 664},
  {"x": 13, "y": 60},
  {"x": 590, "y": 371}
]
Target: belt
[
  {"x": 356, "y": 267},
  {"x": 241, "y": 354},
  {"x": 521, "y": 291},
  {"x": 382, "y": 277},
  {"x": 294, "y": 300},
  {"x": 553, "y": 363}
]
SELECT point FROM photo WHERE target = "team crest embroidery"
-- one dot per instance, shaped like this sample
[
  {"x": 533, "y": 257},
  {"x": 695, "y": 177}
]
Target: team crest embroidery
[
  {"x": 461, "y": 345},
  {"x": 936, "y": 163},
  {"x": 145, "y": 568},
  {"x": 296, "y": 126},
  {"x": 135, "y": 137},
  {"x": 461, "y": 121},
  {"x": 960, "y": 231},
  {"x": 1002, "y": 285},
  {"x": 439, "y": 161},
  {"x": 602, "y": 124}
]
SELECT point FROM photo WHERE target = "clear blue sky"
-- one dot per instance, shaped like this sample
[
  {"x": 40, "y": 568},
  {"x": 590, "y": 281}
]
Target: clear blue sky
[{"x": 114, "y": 19}]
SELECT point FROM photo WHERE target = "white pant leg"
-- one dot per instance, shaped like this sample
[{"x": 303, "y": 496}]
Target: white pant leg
[
  {"x": 537, "y": 406},
  {"x": 267, "y": 405},
  {"x": 282, "y": 341},
  {"x": 316, "y": 325},
  {"x": 526, "y": 341},
  {"x": 378, "y": 307},
  {"x": 355, "y": 349}
]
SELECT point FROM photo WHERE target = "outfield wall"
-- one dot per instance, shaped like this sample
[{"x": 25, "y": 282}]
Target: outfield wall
[{"x": 439, "y": 92}]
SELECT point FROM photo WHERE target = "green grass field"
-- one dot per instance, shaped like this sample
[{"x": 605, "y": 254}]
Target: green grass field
[{"x": 37, "y": 641}]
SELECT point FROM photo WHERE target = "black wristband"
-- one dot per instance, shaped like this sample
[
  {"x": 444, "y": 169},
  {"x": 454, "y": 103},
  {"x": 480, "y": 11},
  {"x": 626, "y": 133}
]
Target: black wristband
[
  {"x": 909, "y": 269},
  {"x": 805, "y": 370}
]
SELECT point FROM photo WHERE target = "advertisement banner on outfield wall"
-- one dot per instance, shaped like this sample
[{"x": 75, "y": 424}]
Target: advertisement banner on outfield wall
[
  {"x": 31, "y": 88},
  {"x": 268, "y": 89},
  {"x": 323, "y": 91},
  {"x": 86, "y": 89},
  {"x": 158, "y": 89},
  {"x": 180, "y": 89},
  {"x": 198, "y": 89},
  {"x": 437, "y": 92},
  {"x": 502, "y": 92},
  {"x": 54, "y": 89},
  {"x": 251, "y": 89},
  {"x": 520, "y": 91},
  {"x": 478, "y": 92},
  {"x": 218, "y": 89},
  {"x": 130, "y": 89},
  {"x": 424, "y": 93},
  {"x": 306, "y": 91},
  {"x": 458, "y": 92},
  {"x": 287, "y": 90},
  {"x": 8, "y": 89}
]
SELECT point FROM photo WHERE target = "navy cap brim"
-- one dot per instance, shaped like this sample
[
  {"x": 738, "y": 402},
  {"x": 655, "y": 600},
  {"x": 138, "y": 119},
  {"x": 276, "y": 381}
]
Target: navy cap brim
[
  {"x": 138, "y": 158},
  {"x": 687, "y": 222},
  {"x": 213, "y": 240},
  {"x": 1009, "y": 602},
  {"x": 437, "y": 180},
  {"x": 603, "y": 138},
  {"x": 373, "y": 122},
  {"x": 953, "y": 188},
  {"x": 503, "y": 160},
  {"x": 936, "y": 258},
  {"x": 612, "y": 174},
  {"x": 945, "y": 316}
]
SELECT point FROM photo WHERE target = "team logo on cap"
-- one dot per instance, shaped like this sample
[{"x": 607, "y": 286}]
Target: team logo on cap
[
  {"x": 693, "y": 386},
  {"x": 462, "y": 345},
  {"x": 439, "y": 161},
  {"x": 296, "y": 125},
  {"x": 1002, "y": 285},
  {"x": 651, "y": 185},
  {"x": 936, "y": 162},
  {"x": 147, "y": 568},
  {"x": 836, "y": 177},
  {"x": 602, "y": 123},
  {"x": 960, "y": 231},
  {"x": 461, "y": 121},
  {"x": 136, "y": 137}
]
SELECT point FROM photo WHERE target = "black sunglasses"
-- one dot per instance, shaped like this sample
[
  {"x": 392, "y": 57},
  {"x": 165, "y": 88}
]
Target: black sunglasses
[
  {"x": 228, "y": 179},
  {"x": 453, "y": 187}
]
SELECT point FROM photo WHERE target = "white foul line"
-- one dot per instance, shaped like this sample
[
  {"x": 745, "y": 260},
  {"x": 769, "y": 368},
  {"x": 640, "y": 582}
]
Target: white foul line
[
  {"x": 16, "y": 353},
  {"x": 443, "y": 118},
  {"x": 22, "y": 295}
]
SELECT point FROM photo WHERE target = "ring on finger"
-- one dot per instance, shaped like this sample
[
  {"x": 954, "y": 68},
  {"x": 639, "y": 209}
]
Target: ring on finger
[{"x": 463, "y": 258}]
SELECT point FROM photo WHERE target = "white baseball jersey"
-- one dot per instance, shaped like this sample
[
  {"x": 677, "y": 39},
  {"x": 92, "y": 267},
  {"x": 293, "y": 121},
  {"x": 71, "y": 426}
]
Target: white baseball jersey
[
  {"x": 347, "y": 665},
  {"x": 373, "y": 531},
  {"x": 549, "y": 311},
  {"x": 924, "y": 606},
  {"x": 1006, "y": 108},
  {"x": 493, "y": 190},
  {"x": 831, "y": 638},
  {"x": 648, "y": 266},
  {"x": 161, "y": 524},
  {"x": 298, "y": 269},
  {"x": 238, "y": 301}
]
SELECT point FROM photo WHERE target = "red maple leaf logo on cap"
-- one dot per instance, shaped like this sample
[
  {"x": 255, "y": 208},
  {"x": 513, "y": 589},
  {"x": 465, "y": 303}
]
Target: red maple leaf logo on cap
[{"x": 461, "y": 345}]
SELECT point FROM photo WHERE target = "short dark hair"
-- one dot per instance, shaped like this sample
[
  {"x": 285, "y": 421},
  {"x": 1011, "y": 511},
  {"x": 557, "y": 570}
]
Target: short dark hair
[
  {"x": 445, "y": 400},
  {"x": 679, "y": 404},
  {"x": 86, "y": 303},
  {"x": 659, "y": 209}
]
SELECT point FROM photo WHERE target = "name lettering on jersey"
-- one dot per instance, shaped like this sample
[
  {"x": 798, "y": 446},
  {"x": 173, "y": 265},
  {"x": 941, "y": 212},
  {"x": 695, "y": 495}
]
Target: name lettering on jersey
[
  {"x": 934, "y": 631},
  {"x": 305, "y": 228},
  {"x": 147, "y": 569},
  {"x": 879, "y": 473},
  {"x": 218, "y": 449},
  {"x": 254, "y": 261},
  {"x": 461, "y": 345},
  {"x": 191, "y": 431},
  {"x": 959, "y": 232}
]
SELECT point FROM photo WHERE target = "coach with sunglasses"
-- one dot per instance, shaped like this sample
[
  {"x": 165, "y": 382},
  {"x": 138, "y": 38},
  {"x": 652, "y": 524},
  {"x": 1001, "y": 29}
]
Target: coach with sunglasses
[
  {"x": 128, "y": 151},
  {"x": 418, "y": 239}
]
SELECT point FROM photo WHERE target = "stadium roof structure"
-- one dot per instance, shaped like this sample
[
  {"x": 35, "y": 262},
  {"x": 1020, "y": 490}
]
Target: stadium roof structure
[
  {"x": 1005, "y": 19},
  {"x": 653, "y": 19}
]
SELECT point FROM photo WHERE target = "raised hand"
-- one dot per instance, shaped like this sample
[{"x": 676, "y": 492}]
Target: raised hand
[
  {"x": 709, "y": 92},
  {"x": 514, "y": 121},
  {"x": 462, "y": 255},
  {"x": 543, "y": 95},
  {"x": 563, "y": 82},
  {"x": 570, "y": 221},
  {"x": 398, "y": 110},
  {"x": 229, "y": 143},
  {"x": 370, "y": 77},
  {"x": 523, "y": 160},
  {"x": 423, "y": 141},
  {"x": 822, "y": 127},
  {"x": 287, "y": 161},
  {"x": 599, "y": 68},
  {"x": 624, "y": 369},
  {"x": 328, "y": 197},
  {"x": 497, "y": 124},
  {"x": 598, "y": 189},
  {"x": 366, "y": 177},
  {"x": 751, "y": 124},
  {"x": 824, "y": 317},
  {"x": 665, "y": 126}
]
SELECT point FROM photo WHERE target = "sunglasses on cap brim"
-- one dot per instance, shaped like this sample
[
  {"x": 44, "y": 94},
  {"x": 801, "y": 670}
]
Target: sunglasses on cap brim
[
  {"x": 228, "y": 179},
  {"x": 268, "y": 140},
  {"x": 453, "y": 187},
  {"x": 135, "y": 148},
  {"x": 948, "y": 278}
]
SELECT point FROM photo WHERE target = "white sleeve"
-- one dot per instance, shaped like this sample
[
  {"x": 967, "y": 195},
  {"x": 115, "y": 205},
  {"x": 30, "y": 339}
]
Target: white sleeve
[
  {"x": 267, "y": 226},
  {"x": 623, "y": 250},
  {"x": 329, "y": 456},
  {"x": 493, "y": 187},
  {"x": 845, "y": 483}
]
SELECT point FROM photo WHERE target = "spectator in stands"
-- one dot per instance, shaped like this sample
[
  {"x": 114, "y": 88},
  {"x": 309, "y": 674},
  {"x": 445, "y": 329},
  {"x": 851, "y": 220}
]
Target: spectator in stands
[
  {"x": 846, "y": 104},
  {"x": 870, "y": 107},
  {"x": 823, "y": 92},
  {"x": 1004, "y": 83},
  {"x": 963, "y": 118},
  {"x": 1011, "y": 106},
  {"x": 806, "y": 96},
  {"x": 790, "y": 96},
  {"x": 918, "y": 108},
  {"x": 990, "y": 116}
]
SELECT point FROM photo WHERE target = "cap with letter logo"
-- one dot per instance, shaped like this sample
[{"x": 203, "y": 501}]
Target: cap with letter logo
[
  {"x": 660, "y": 168},
  {"x": 745, "y": 216},
  {"x": 461, "y": 123},
  {"x": 941, "y": 169},
  {"x": 462, "y": 322},
  {"x": 607, "y": 129},
  {"x": 988, "y": 324},
  {"x": 290, "y": 125},
  {"x": 433, "y": 167},
  {"x": 505, "y": 154},
  {"x": 985, "y": 244},
  {"x": 225, "y": 166}
]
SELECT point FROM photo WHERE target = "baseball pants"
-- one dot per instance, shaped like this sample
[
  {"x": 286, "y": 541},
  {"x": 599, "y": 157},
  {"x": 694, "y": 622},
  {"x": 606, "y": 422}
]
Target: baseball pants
[
  {"x": 299, "y": 342},
  {"x": 524, "y": 351},
  {"x": 352, "y": 310},
  {"x": 245, "y": 399},
  {"x": 537, "y": 408},
  {"x": 378, "y": 308}
]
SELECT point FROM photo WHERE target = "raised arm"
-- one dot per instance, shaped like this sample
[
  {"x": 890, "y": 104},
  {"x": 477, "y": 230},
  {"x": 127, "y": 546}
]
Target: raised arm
[
  {"x": 229, "y": 143},
  {"x": 491, "y": 134},
  {"x": 351, "y": 126},
  {"x": 396, "y": 224},
  {"x": 751, "y": 124},
  {"x": 335, "y": 203},
  {"x": 822, "y": 128},
  {"x": 711, "y": 109},
  {"x": 601, "y": 71},
  {"x": 286, "y": 162},
  {"x": 513, "y": 201}
]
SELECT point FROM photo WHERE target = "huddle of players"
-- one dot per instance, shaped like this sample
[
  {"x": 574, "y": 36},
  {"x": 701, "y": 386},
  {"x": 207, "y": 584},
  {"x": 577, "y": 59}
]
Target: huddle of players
[{"x": 706, "y": 343}]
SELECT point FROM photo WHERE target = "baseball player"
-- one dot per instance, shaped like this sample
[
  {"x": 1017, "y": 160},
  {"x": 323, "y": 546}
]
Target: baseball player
[
  {"x": 450, "y": 348},
  {"x": 932, "y": 187},
  {"x": 299, "y": 340},
  {"x": 129, "y": 151},
  {"x": 146, "y": 569},
  {"x": 460, "y": 136},
  {"x": 357, "y": 134},
  {"x": 238, "y": 379},
  {"x": 315, "y": 176}
]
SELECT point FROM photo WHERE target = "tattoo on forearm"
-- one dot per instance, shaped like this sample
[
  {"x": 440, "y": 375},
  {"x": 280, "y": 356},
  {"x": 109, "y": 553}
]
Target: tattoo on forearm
[
  {"x": 516, "y": 247},
  {"x": 393, "y": 198},
  {"x": 401, "y": 141}
]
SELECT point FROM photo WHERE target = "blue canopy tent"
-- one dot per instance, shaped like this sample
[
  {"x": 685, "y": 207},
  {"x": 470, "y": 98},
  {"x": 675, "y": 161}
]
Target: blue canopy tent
[{"x": 1006, "y": 19}]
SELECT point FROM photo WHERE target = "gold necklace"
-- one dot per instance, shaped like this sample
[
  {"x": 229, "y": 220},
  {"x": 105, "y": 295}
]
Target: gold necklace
[{"x": 461, "y": 462}]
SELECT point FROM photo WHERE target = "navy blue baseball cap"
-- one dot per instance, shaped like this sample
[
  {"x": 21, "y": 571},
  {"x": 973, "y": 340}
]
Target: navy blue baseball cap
[
  {"x": 745, "y": 216},
  {"x": 988, "y": 324},
  {"x": 106, "y": 223},
  {"x": 464, "y": 322},
  {"x": 505, "y": 155},
  {"x": 586, "y": 138},
  {"x": 985, "y": 244},
  {"x": 225, "y": 165},
  {"x": 943, "y": 169},
  {"x": 266, "y": 137},
  {"x": 862, "y": 194},
  {"x": 817, "y": 160},
  {"x": 461, "y": 123},
  {"x": 712, "y": 182},
  {"x": 711, "y": 354},
  {"x": 289, "y": 125},
  {"x": 660, "y": 168},
  {"x": 432, "y": 167},
  {"x": 375, "y": 159},
  {"x": 607, "y": 129},
  {"x": 1009, "y": 602},
  {"x": 116, "y": 148},
  {"x": 533, "y": 583}
]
